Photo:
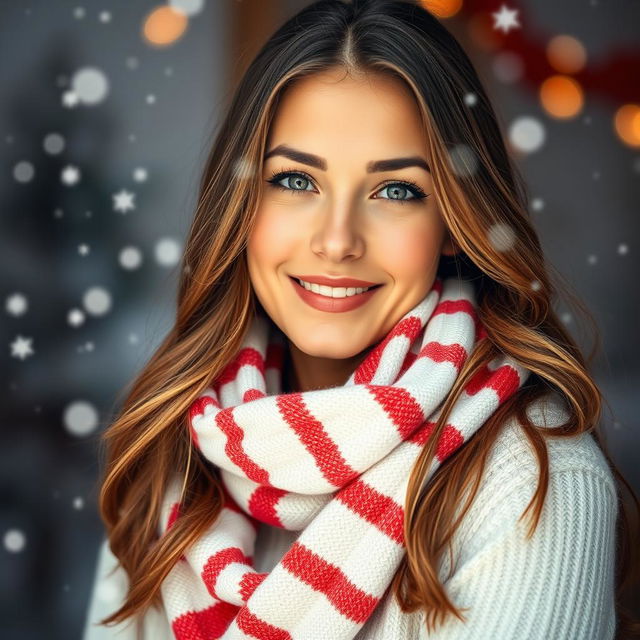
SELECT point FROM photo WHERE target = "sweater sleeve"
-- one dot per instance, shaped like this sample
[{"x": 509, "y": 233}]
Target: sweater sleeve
[{"x": 558, "y": 584}]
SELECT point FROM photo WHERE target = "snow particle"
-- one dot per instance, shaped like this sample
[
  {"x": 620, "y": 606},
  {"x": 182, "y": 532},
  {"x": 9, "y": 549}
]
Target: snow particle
[
  {"x": 21, "y": 347},
  {"x": 462, "y": 160},
  {"x": 537, "y": 204},
  {"x": 78, "y": 503},
  {"x": 23, "y": 171},
  {"x": 470, "y": 99},
  {"x": 130, "y": 258},
  {"x": 592, "y": 258},
  {"x": 90, "y": 84},
  {"x": 535, "y": 285},
  {"x": 188, "y": 7},
  {"x": 526, "y": 134},
  {"x": 123, "y": 200},
  {"x": 70, "y": 175},
  {"x": 623, "y": 249},
  {"x": 80, "y": 418},
  {"x": 167, "y": 252},
  {"x": 75, "y": 317},
  {"x": 53, "y": 143},
  {"x": 97, "y": 301},
  {"x": 501, "y": 236},
  {"x": 140, "y": 174},
  {"x": 14, "y": 540},
  {"x": 16, "y": 304},
  {"x": 243, "y": 169}
]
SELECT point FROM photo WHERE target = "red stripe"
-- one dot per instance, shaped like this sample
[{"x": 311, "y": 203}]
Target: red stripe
[
  {"x": 450, "y": 439},
  {"x": 262, "y": 505},
  {"x": 326, "y": 578},
  {"x": 313, "y": 436},
  {"x": 253, "y": 626},
  {"x": 249, "y": 583},
  {"x": 409, "y": 328},
  {"x": 246, "y": 356},
  {"x": 381, "y": 511},
  {"x": 400, "y": 406},
  {"x": 504, "y": 381},
  {"x": 234, "y": 450},
  {"x": 206, "y": 624},
  {"x": 454, "y": 353},
  {"x": 218, "y": 562}
]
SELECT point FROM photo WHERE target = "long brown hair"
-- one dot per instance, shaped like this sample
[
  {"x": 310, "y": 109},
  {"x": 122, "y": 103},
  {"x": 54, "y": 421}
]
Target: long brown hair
[{"x": 149, "y": 438}]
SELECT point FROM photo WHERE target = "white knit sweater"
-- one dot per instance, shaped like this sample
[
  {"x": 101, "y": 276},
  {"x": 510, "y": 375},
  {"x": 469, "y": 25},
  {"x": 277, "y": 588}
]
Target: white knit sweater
[{"x": 557, "y": 585}]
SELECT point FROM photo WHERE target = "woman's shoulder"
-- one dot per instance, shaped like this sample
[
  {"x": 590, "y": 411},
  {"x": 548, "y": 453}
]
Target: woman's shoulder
[
  {"x": 513, "y": 460},
  {"x": 581, "y": 488},
  {"x": 516, "y": 585}
]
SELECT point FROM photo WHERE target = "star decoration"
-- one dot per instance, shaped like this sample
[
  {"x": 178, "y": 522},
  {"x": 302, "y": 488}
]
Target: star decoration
[
  {"x": 21, "y": 347},
  {"x": 505, "y": 18},
  {"x": 123, "y": 201}
]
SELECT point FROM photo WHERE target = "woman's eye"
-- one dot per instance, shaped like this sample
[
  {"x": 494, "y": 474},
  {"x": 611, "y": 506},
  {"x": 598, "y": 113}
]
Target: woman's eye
[
  {"x": 298, "y": 182},
  {"x": 292, "y": 181}
]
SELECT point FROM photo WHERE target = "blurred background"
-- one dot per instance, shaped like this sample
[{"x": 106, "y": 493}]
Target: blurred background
[{"x": 108, "y": 111}]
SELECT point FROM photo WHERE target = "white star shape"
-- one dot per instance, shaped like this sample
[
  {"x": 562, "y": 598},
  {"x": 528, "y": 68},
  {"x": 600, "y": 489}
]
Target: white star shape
[
  {"x": 70, "y": 99},
  {"x": 505, "y": 18},
  {"x": 16, "y": 304},
  {"x": 21, "y": 347},
  {"x": 123, "y": 201},
  {"x": 70, "y": 175}
]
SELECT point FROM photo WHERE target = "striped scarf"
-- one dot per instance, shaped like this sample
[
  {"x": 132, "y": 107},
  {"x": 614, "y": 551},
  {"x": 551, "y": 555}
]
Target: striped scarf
[{"x": 331, "y": 463}]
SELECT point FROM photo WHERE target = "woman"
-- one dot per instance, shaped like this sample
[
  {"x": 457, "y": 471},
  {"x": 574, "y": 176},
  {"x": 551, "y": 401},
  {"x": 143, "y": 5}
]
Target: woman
[{"x": 366, "y": 389}]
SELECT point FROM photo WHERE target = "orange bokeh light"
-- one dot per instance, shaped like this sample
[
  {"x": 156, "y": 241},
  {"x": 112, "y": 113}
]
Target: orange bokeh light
[
  {"x": 566, "y": 54},
  {"x": 163, "y": 26},
  {"x": 627, "y": 124},
  {"x": 561, "y": 96},
  {"x": 442, "y": 8}
]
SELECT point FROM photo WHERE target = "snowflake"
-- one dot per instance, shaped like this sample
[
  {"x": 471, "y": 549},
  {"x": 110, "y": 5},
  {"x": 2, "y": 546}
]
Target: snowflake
[
  {"x": 123, "y": 201},
  {"x": 21, "y": 347},
  {"x": 505, "y": 18}
]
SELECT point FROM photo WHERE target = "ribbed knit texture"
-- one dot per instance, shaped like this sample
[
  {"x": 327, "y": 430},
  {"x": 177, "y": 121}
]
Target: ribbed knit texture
[{"x": 557, "y": 585}]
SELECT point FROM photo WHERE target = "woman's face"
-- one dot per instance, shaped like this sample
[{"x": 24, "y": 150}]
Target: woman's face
[{"x": 336, "y": 217}]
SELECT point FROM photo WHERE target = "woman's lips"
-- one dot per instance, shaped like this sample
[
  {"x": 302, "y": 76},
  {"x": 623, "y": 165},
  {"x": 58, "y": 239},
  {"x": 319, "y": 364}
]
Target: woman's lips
[{"x": 332, "y": 305}]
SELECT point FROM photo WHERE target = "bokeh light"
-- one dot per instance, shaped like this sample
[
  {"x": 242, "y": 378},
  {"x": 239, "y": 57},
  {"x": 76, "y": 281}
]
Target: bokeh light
[
  {"x": 442, "y": 8},
  {"x": 561, "y": 96},
  {"x": 627, "y": 124},
  {"x": 566, "y": 54},
  {"x": 163, "y": 26}
]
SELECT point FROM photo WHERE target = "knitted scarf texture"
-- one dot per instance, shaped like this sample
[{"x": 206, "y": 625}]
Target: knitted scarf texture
[{"x": 330, "y": 463}]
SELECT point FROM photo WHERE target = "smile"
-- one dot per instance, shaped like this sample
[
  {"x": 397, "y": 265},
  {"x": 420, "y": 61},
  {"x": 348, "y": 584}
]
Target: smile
[{"x": 333, "y": 299}]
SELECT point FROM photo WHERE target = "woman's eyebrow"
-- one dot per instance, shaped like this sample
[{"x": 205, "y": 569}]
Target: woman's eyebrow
[{"x": 320, "y": 163}]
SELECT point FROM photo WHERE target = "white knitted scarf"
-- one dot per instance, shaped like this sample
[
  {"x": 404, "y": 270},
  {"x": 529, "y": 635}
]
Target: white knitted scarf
[{"x": 331, "y": 463}]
